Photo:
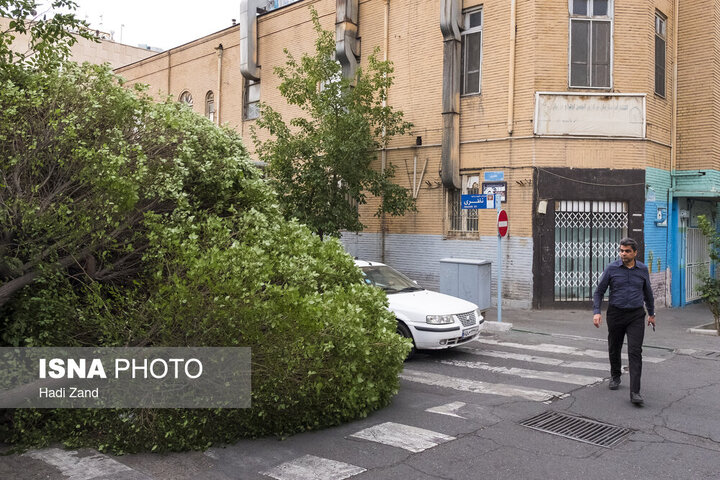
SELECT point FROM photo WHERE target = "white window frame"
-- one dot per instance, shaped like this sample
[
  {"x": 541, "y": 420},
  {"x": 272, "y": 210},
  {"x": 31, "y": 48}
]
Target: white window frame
[
  {"x": 210, "y": 106},
  {"x": 660, "y": 32},
  {"x": 247, "y": 114},
  {"x": 610, "y": 17},
  {"x": 471, "y": 31},
  {"x": 467, "y": 220},
  {"x": 186, "y": 98}
]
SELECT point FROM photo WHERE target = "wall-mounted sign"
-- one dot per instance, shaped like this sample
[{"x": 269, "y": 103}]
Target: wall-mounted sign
[
  {"x": 494, "y": 176},
  {"x": 661, "y": 217},
  {"x": 590, "y": 114},
  {"x": 477, "y": 202},
  {"x": 495, "y": 188}
]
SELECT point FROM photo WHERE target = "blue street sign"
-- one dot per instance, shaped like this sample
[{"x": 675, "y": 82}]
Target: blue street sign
[
  {"x": 494, "y": 176},
  {"x": 477, "y": 202}
]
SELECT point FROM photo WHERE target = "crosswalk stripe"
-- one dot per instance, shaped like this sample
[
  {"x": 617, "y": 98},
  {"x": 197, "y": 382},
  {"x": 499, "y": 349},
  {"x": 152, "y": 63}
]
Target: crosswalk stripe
[
  {"x": 476, "y": 386},
  {"x": 448, "y": 409},
  {"x": 563, "y": 349},
  {"x": 466, "y": 411},
  {"x": 527, "y": 373},
  {"x": 310, "y": 467},
  {"x": 556, "y": 362},
  {"x": 97, "y": 466},
  {"x": 409, "y": 438}
]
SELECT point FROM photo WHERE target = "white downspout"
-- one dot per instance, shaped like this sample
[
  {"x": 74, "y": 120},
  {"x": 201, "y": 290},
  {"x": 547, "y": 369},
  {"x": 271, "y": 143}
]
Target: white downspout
[
  {"x": 219, "y": 83},
  {"x": 383, "y": 154},
  {"x": 511, "y": 75},
  {"x": 673, "y": 158}
]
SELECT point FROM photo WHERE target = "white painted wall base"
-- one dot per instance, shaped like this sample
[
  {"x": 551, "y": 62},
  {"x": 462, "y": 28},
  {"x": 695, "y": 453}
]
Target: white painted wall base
[{"x": 418, "y": 257}]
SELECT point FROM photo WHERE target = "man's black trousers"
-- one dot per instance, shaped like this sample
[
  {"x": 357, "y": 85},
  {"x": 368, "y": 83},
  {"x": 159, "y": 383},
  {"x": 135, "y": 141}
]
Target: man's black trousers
[{"x": 630, "y": 322}]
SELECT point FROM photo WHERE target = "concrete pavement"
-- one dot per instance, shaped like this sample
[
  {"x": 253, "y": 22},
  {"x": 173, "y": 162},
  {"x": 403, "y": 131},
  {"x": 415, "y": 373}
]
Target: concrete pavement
[
  {"x": 671, "y": 330},
  {"x": 478, "y": 434}
]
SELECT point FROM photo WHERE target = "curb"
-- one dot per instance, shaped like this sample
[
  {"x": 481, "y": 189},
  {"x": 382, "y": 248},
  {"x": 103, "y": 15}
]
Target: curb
[
  {"x": 707, "y": 329},
  {"x": 495, "y": 326}
]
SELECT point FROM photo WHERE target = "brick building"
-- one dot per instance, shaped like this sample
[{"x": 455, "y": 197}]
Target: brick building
[
  {"x": 588, "y": 116},
  {"x": 104, "y": 51}
]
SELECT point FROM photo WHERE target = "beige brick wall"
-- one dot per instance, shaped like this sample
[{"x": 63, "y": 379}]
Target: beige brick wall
[
  {"x": 106, "y": 51},
  {"x": 698, "y": 88},
  {"x": 415, "y": 48}
]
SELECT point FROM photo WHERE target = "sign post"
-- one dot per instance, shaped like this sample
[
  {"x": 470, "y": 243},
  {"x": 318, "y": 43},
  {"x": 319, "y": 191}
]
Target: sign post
[{"x": 502, "y": 222}]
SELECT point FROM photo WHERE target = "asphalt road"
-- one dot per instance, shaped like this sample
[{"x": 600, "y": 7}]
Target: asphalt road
[{"x": 459, "y": 415}]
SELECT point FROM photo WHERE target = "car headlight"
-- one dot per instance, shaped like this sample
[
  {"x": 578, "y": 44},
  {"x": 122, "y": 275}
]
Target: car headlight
[
  {"x": 439, "y": 319},
  {"x": 478, "y": 315}
]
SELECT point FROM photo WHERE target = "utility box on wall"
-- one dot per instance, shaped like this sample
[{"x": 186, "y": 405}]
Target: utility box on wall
[{"x": 468, "y": 279}]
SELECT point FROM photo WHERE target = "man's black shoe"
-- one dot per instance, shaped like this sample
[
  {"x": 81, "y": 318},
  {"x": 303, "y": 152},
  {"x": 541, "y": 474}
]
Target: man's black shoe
[
  {"x": 636, "y": 399},
  {"x": 614, "y": 383}
]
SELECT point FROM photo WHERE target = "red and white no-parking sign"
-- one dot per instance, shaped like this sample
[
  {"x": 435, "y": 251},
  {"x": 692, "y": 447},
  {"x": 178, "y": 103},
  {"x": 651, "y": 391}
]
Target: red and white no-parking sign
[{"x": 502, "y": 223}]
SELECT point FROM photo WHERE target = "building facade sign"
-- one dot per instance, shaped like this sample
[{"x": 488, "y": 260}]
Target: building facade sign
[{"x": 601, "y": 115}]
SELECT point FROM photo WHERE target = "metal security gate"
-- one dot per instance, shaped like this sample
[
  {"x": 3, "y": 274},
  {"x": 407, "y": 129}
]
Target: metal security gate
[
  {"x": 697, "y": 261},
  {"x": 587, "y": 235}
]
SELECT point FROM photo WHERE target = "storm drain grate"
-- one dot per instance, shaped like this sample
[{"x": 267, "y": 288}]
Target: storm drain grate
[{"x": 577, "y": 428}]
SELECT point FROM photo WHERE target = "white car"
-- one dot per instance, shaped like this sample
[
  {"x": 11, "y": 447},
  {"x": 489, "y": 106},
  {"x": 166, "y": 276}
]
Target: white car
[{"x": 432, "y": 320}]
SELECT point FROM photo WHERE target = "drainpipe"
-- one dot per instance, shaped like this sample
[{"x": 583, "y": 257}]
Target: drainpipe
[
  {"x": 169, "y": 66},
  {"x": 219, "y": 83},
  {"x": 673, "y": 152},
  {"x": 248, "y": 40},
  {"x": 450, "y": 26},
  {"x": 383, "y": 154},
  {"x": 511, "y": 75}
]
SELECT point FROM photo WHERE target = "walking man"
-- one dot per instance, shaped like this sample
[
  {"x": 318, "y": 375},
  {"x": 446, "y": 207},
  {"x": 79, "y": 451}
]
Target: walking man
[{"x": 629, "y": 282}]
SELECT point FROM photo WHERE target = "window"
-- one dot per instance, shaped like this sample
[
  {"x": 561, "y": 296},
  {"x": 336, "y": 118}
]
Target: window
[
  {"x": 660, "y": 40},
  {"x": 471, "y": 52},
  {"x": 210, "y": 106},
  {"x": 251, "y": 100},
  {"x": 463, "y": 220},
  {"x": 590, "y": 43},
  {"x": 186, "y": 98}
]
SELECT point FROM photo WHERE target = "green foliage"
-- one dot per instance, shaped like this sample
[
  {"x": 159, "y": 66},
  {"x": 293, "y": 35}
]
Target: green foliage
[
  {"x": 50, "y": 39},
  {"x": 124, "y": 222},
  {"x": 710, "y": 288},
  {"x": 321, "y": 163}
]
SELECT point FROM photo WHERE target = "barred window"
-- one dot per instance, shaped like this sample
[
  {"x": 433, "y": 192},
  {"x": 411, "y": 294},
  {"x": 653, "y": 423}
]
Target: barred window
[{"x": 463, "y": 220}]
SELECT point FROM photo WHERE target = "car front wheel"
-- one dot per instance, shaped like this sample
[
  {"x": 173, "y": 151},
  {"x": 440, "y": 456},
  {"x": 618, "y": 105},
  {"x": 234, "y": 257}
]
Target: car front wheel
[{"x": 404, "y": 331}]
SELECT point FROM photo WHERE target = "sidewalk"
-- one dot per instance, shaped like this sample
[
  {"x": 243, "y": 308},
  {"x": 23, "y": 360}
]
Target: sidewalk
[{"x": 671, "y": 331}]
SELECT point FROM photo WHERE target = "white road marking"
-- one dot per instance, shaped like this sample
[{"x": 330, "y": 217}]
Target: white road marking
[
  {"x": 210, "y": 452},
  {"x": 526, "y": 373},
  {"x": 557, "y": 362},
  {"x": 563, "y": 349},
  {"x": 310, "y": 467},
  {"x": 475, "y": 386},
  {"x": 465, "y": 411},
  {"x": 95, "y": 466},
  {"x": 448, "y": 409},
  {"x": 413, "y": 439}
]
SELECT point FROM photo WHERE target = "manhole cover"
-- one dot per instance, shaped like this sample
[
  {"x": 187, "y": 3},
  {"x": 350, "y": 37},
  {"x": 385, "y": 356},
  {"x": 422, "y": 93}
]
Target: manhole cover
[{"x": 577, "y": 428}]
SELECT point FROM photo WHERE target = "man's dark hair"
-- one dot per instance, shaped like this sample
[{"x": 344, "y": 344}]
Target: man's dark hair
[{"x": 629, "y": 242}]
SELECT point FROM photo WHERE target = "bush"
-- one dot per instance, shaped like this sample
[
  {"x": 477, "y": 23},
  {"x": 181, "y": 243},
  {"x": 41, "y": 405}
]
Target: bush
[
  {"x": 710, "y": 287},
  {"x": 174, "y": 240}
]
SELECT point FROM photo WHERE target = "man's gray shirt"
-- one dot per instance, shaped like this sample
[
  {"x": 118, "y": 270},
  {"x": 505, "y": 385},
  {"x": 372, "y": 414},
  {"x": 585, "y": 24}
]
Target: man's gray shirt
[{"x": 629, "y": 287}]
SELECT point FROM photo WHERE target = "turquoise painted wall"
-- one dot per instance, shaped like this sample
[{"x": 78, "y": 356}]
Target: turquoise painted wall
[
  {"x": 689, "y": 183},
  {"x": 657, "y": 185}
]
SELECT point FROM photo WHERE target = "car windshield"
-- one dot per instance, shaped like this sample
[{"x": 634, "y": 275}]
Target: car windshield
[{"x": 388, "y": 279}]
